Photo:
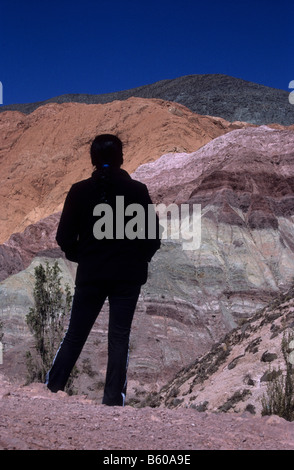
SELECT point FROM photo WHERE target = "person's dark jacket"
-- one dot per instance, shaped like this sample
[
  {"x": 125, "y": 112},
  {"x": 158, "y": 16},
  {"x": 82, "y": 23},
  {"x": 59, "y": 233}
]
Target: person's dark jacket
[{"x": 105, "y": 259}]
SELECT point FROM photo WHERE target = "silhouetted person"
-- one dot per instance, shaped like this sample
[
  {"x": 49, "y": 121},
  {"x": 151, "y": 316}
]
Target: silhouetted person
[{"x": 113, "y": 268}]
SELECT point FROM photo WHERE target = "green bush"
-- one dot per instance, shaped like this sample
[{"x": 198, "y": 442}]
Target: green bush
[{"x": 46, "y": 319}]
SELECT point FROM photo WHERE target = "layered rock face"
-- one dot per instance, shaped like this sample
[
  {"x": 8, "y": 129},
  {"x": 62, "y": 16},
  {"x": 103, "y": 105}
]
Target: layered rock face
[
  {"x": 244, "y": 184},
  {"x": 163, "y": 337},
  {"x": 36, "y": 240},
  {"x": 243, "y": 181},
  {"x": 45, "y": 152},
  {"x": 41, "y": 156}
]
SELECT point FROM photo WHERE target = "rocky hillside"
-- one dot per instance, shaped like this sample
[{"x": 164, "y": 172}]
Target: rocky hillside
[
  {"x": 43, "y": 153},
  {"x": 161, "y": 341},
  {"x": 220, "y": 95},
  {"x": 234, "y": 375},
  {"x": 215, "y": 313},
  {"x": 244, "y": 183},
  {"x": 21, "y": 248}
]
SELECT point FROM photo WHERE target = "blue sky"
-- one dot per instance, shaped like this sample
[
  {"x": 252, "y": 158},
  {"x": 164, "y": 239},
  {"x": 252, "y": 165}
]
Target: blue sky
[{"x": 49, "y": 48}]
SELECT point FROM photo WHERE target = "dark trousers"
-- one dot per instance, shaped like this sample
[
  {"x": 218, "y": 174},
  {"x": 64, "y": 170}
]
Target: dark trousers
[{"x": 87, "y": 303}]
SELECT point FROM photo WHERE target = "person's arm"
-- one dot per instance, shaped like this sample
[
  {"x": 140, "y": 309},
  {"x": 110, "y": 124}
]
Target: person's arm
[{"x": 67, "y": 234}]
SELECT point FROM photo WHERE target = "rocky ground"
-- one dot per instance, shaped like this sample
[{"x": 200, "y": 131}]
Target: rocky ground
[{"x": 32, "y": 418}]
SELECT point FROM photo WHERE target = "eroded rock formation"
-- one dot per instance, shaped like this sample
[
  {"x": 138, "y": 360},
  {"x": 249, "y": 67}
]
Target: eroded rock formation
[
  {"x": 42, "y": 154},
  {"x": 243, "y": 182}
]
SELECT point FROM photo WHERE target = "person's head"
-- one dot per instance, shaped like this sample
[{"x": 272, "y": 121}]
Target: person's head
[{"x": 106, "y": 149}]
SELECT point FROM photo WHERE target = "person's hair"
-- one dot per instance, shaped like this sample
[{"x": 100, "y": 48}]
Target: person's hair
[
  {"x": 106, "y": 153},
  {"x": 106, "y": 149}
]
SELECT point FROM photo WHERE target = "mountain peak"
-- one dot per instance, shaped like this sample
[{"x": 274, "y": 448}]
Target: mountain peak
[{"x": 231, "y": 98}]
